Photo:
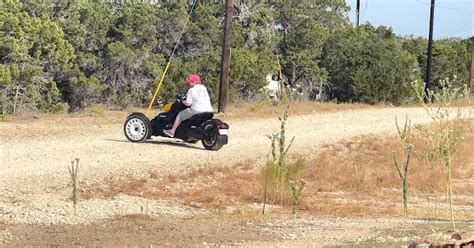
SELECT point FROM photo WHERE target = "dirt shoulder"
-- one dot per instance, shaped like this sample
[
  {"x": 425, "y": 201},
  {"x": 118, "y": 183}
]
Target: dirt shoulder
[{"x": 217, "y": 230}]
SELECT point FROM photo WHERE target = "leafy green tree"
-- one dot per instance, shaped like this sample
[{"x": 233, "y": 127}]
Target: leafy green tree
[
  {"x": 304, "y": 27},
  {"x": 450, "y": 59},
  {"x": 369, "y": 65},
  {"x": 248, "y": 71},
  {"x": 135, "y": 26},
  {"x": 79, "y": 53},
  {"x": 302, "y": 52},
  {"x": 34, "y": 56},
  {"x": 86, "y": 91}
]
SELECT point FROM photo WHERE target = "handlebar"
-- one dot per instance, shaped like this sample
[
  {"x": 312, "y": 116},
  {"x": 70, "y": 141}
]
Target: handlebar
[{"x": 180, "y": 97}]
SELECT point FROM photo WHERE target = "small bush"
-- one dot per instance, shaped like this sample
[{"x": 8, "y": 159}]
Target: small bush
[
  {"x": 60, "y": 107},
  {"x": 448, "y": 115},
  {"x": 73, "y": 170},
  {"x": 278, "y": 176},
  {"x": 405, "y": 135},
  {"x": 99, "y": 109}
]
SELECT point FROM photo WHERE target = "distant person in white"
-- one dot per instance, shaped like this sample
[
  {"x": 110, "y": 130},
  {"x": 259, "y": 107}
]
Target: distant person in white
[{"x": 197, "y": 99}]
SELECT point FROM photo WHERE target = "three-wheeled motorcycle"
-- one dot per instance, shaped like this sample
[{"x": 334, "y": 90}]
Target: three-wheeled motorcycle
[{"x": 201, "y": 127}]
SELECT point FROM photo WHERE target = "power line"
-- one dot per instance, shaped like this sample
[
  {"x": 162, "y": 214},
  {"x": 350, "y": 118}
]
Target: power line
[
  {"x": 444, "y": 7},
  {"x": 463, "y": 28},
  {"x": 459, "y": 27},
  {"x": 366, "y": 7},
  {"x": 171, "y": 58}
]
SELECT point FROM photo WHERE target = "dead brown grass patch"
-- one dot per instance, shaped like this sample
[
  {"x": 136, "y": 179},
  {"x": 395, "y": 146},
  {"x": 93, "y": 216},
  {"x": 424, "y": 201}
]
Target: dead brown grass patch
[
  {"x": 263, "y": 109},
  {"x": 259, "y": 109},
  {"x": 134, "y": 217},
  {"x": 13, "y": 199}
]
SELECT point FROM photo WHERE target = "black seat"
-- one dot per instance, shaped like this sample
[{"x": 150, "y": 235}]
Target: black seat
[{"x": 198, "y": 119}]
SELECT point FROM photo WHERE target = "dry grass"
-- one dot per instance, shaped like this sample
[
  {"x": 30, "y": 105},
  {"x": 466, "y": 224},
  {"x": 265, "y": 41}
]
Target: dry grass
[
  {"x": 365, "y": 163},
  {"x": 101, "y": 115},
  {"x": 209, "y": 187},
  {"x": 112, "y": 187},
  {"x": 13, "y": 199},
  {"x": 350, "y": 178},
  {"x": 263, "y": 109},
  {"x": 134, "y": 217}
]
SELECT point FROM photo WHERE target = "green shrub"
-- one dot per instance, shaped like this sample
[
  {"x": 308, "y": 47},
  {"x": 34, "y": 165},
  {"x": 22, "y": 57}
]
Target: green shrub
[
  {"x": 450, "y": 109},
  {"x": 369, "y": 65},
  {"x": 73, "y": 170},
  {"x": 99, "y": 109},
  {"x": 405, "y": 136},
  {"x": 280, "y": 177}
]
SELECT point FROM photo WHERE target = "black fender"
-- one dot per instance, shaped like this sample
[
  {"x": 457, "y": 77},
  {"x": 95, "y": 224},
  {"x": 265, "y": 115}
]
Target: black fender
[{"x": 217, "y": 123}]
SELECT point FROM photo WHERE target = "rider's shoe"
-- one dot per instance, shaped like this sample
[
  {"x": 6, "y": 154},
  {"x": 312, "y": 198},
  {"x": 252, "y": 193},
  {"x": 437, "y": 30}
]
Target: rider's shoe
[{"x": 168, "y": 133}]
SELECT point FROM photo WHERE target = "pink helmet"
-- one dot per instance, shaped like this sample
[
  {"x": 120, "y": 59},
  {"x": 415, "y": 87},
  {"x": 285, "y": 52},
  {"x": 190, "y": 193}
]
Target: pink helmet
[{"x": 193, "y": 78}]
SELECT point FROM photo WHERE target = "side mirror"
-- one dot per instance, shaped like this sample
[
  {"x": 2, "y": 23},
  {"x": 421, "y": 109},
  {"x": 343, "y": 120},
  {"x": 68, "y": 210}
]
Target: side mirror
[
  {"x": 180, "y": 97},
  {"x": 275, "y": 77}
]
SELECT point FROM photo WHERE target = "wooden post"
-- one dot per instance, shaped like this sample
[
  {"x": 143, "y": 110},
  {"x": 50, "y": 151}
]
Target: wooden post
[
  {"x": 430, "y": 46},
  {"x": 16, "y": 99},
  {"x": 4, "y": 103},
  {"x": 358, "y": 13},
  {"x": 430, "y": 50},
  {"x": 226, "y": 55},
  {"x": 471, "y": 74}
]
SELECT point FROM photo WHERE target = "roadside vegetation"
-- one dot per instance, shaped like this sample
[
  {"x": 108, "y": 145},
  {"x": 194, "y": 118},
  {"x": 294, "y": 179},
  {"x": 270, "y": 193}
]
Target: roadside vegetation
[
  {"x": 402, "y": 166},
  {"x": 69, "y": 55},
  {"x": 449, "y": 116},
  {"x": 73, "y": 170},
  {"x": 279, "y": 177}
]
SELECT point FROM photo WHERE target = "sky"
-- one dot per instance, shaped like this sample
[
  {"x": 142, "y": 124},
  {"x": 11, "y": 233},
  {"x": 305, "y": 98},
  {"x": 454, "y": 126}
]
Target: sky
[{"x": 453, "y": 18}]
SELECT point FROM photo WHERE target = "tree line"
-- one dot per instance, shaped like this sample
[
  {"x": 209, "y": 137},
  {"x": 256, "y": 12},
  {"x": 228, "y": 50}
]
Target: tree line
[{"x": 67, "y": 55}]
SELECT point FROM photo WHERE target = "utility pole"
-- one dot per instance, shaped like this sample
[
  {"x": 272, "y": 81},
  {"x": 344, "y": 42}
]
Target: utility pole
[
  {"x": 226, "y": 54},
  {"x": 358, "y": 13},
  {"x": 430, "y": 50},
  {"x": 471, "y": 75}
]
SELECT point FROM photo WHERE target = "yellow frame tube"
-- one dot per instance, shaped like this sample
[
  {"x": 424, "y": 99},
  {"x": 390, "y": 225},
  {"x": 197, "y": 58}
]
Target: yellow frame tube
[
  {"x": 158, "y": 88},
  {"x": 281, "y": 78}
]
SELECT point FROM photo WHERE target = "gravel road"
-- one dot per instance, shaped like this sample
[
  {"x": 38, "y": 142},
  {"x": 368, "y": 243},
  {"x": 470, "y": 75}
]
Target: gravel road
[{"x": 35, "y": 153}]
